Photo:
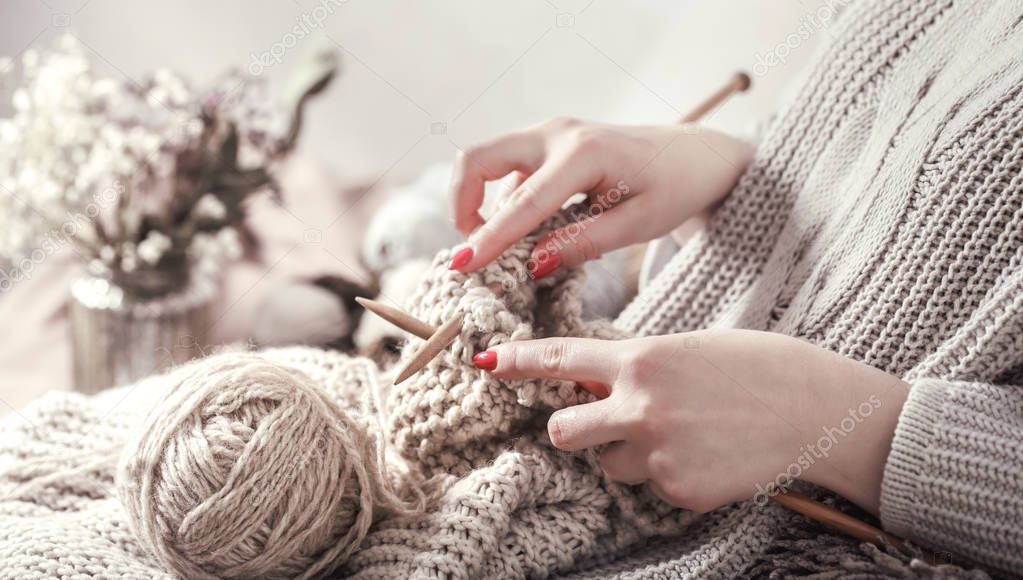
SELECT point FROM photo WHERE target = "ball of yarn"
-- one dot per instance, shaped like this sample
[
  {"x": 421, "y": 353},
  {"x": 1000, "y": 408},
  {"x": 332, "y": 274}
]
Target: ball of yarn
[{"x": 249, "y": 470}]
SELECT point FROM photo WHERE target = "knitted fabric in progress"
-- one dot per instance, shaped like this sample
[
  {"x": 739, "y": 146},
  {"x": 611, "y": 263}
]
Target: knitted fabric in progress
[
  {"x": 880, "y": 219},
  {"x": 514, "y": 506},
  {"x": 243, "y": 457}
]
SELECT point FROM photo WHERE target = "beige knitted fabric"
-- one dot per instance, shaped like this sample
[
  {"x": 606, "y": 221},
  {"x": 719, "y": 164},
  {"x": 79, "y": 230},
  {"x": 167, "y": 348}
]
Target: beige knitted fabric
[
  {"x": 505, "y": 503},
  {"x": 514, "y": 506},
  {"x": 881, "y": 218}
]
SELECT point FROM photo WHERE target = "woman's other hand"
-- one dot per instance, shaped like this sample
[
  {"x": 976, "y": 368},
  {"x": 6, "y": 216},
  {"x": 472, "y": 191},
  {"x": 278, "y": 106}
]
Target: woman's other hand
[
  {"x": 641, "y": 183},
  {"x": 711, "y": 417}
]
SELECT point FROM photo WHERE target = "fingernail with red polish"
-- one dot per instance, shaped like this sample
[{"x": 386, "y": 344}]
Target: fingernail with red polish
[
  {"x": 544, "y": 265},
  {"x": 600, "y": 390},
  {"x": 461, "y": 258},
  {"x": 486, "y": 360}
]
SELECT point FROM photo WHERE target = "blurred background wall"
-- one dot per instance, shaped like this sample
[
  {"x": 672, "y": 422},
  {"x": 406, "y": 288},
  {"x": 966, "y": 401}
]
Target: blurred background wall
[
  {"x": 420, "y": 80},
  {"x": 469, "y": 69}
]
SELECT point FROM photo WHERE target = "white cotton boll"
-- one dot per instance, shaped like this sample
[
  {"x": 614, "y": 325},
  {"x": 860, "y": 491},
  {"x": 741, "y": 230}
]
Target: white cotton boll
[
  {"x": 8, "y": 132},
  {"x": 414, "y": 222},
  {"x": 300, "y": 313},
  {"x": 68, "y": 43},
  {"x": 164, "y": 75},
  {"x": 28, "y": 178},
  {"x": 128, "y": 262},
  {"x": 156, "y": 97},
  {"x": 212, "y": 251}
]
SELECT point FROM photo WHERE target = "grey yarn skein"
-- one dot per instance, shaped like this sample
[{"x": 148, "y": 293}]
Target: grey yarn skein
[{"x": 248, "y": 469}]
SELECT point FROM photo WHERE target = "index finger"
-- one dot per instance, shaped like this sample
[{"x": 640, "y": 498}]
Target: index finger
[
  {"x": 572, "y": 359},
  {"x": 537, "y": 199},
  {"x": 477, "y": 165}
]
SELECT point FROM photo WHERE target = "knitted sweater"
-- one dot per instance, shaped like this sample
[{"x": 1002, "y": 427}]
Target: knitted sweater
[{"x": 881, "y": 218}]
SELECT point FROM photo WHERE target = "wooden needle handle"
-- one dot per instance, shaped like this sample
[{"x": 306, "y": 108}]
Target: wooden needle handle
[
  {"x": 739, "y": 83},
  {"x": 846, "y": 524}
]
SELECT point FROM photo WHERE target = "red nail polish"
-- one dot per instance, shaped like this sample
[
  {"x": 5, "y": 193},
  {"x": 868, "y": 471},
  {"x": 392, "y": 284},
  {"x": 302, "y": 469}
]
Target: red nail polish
[
  {"x": 461, "y": 258},
  {"x": 600, "y": 390},
  {"x": 544, "y": 265},
  {"x": 486, "y": 360}
]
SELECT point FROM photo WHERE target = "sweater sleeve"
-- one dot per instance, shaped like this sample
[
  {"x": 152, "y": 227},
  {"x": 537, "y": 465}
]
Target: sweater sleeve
[{"x": 954, "y": 476}]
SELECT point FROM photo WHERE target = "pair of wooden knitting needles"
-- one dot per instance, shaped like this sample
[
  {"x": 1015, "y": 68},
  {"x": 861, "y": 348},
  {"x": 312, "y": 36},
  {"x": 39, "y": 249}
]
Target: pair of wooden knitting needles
[{"x": 437, "y": 339}]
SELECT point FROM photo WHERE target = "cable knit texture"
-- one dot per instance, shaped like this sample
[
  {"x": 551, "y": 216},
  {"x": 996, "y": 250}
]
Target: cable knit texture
[{"x": 881, "y": 218}]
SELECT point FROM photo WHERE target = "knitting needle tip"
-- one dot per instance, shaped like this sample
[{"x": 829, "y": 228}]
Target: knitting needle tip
[
  {"x": 440, "y": 340},
  {"x": 401, "y": 319}
]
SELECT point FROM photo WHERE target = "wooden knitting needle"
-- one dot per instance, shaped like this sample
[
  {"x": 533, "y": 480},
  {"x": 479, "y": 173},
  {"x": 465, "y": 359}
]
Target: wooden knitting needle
[
  {"x": 739, "y": 83},
  {"x": 399, "y": 318},
  {"x": 846, "y": 524},
  {"x": 437, "y": 339},
  {"x": 431, "y": 348}
]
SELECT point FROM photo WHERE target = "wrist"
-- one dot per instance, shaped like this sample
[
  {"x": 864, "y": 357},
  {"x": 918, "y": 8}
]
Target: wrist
[
  {"x": 852, "y": 437},
  {"x": 720, "y": 159}
]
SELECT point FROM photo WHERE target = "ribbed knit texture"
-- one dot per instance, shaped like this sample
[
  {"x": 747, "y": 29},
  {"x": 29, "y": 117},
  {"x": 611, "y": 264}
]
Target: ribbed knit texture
[{"x": 882, "y": 218}]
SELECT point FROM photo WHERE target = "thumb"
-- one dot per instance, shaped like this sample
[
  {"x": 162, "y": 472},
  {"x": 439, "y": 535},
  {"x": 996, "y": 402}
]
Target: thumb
[
  {"x": 588, "y": 237},
  {"x": 584, "y": 426}
]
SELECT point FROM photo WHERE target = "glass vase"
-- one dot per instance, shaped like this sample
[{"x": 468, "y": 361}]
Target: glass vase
[{"x": 127, "y": 326}]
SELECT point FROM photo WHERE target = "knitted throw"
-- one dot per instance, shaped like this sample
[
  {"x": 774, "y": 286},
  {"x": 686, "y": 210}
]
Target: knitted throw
[
  {"x": 502, "y": 502},
  {"x": 881, "y": 218}
]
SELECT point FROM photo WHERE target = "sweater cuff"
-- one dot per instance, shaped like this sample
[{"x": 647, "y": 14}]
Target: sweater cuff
[{"x": 908, "y": 459}]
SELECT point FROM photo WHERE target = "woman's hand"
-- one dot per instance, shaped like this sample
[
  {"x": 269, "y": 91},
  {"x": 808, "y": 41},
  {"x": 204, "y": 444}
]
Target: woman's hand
[
  {"x": 641, "y": 182},
  {"x": 712, "y": 417}
]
